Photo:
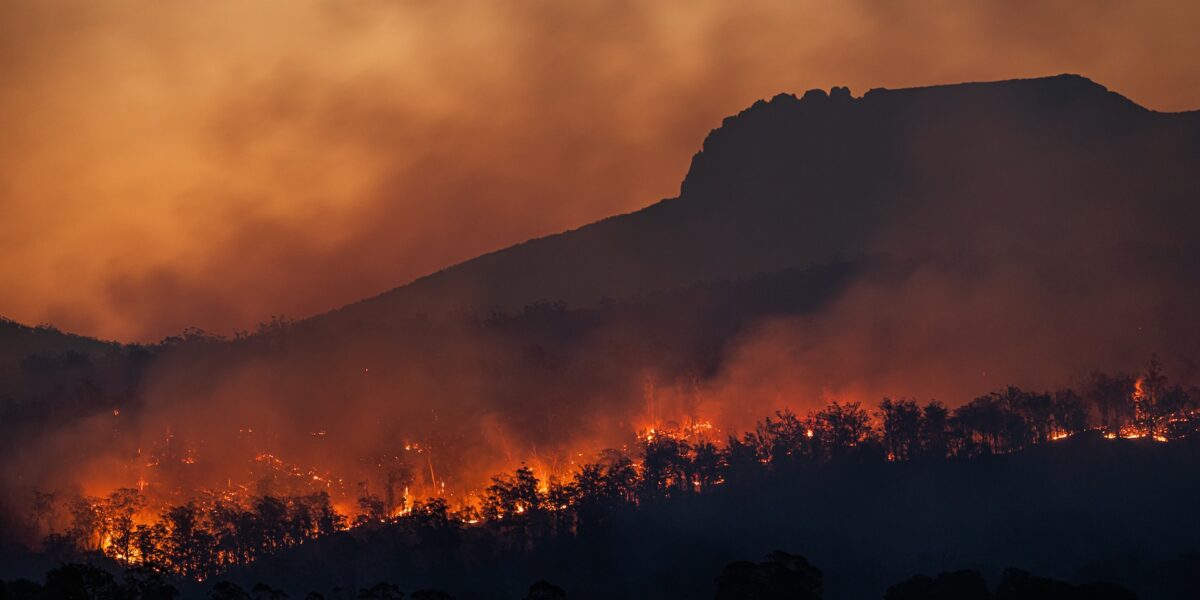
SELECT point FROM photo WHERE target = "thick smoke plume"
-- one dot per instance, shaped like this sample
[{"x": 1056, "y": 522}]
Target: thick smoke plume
[{"x": 212, "y": 164}]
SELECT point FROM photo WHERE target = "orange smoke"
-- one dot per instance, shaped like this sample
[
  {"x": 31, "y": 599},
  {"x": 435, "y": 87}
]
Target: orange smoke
[{"x": 212, "y": 164}]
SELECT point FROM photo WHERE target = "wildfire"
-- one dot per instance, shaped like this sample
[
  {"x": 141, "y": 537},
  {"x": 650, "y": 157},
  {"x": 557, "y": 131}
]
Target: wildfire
[
  {"x": 691, "y": 430},
  {"x": 663, "y": 457}
]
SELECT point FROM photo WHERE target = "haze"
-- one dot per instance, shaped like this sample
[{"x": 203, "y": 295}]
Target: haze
[{"x": 202, "y": 164}]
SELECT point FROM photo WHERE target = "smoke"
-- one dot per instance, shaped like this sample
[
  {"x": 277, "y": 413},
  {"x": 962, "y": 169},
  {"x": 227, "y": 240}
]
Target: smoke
[
  {"x": 208, "y": 164},
  {"x": 1035, "y": 246}
]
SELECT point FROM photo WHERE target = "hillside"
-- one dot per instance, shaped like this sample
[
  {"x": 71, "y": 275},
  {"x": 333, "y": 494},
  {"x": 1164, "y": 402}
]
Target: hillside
[{"x": 793, "y": 182}]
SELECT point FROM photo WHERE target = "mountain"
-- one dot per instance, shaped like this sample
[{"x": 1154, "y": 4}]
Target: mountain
[
  {"x": 26, "y": 353},
  {"x": 793, "y": 182},
  {"x": 18, "y": 341}
]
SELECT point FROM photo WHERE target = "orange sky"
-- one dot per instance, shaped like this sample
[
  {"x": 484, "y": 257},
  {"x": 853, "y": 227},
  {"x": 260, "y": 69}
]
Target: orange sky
[{"x": 200, "y": 163}]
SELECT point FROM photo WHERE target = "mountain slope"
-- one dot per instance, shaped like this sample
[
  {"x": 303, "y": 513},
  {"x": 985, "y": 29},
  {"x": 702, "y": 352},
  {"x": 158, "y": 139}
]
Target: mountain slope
[{"x": 792, "y": 182}]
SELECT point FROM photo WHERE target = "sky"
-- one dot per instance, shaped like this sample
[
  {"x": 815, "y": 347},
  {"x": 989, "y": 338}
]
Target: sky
[{"x": 211, "y": 164}]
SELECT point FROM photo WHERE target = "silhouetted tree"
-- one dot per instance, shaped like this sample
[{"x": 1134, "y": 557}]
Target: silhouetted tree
[
  {"x": 781, "y": 576},
  {"x": 224, "y": 590},
  {"x": 1069, "y": 412},
  {"x": 431, "y": 595},
  {"x": 1016, "y": 584},
  {"x": 901, "y": 428},
  {"x": 743, "y": 461},
  {"x": 381, "y": 591},
  {"x": 956, "y": 585},
  {"x": 935, "y": 430},
  {"x": 119, "y": 511},
  {"x": 980, "y": 425},
  {"x": 1038, "y": 410},
  {"x": 262, "y": 591},
  {"x": 708, "y": 462},
  {"x": 838, "y": 428},
  {"x": 189, "y": 546},
  {"x": 544, "y": 590},
  {"x": 512, "y": 495},
  {"x": 87, "y": 523},
  {"x": 1149, "y": 391},
  {"x": 80, "y": 582},
  {"x": 785, "y": 441},
  {"x": 666, "y": 467},
  {"x": 561, "y": 499},
  {"x": 1112, "y": 397},
  {"x": 146, "y": 584},
  {"x": 371, "y": 509},
  {"x": 150, "y": 541}
]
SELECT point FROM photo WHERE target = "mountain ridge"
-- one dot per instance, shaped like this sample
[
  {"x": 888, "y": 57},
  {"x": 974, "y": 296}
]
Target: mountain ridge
[{"x": 550, "y": 267}]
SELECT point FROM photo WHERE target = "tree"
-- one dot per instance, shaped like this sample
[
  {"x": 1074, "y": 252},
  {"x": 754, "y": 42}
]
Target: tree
[
  {"x": 935, "y": 433},
  {"x": 1069, "y": 412},
  {"x": 431, "y": 595},
  {"x": 371, "y": 509},
  {"x": 270, "y": 531},
  {"x": 224, "y": 590},
  {"x": 666, "y": 466},
  {"x": 743, "y": 461},
  {"x": 514, "y": 502},
  {"x": 621, "y": 479},
  {"x": 150, "y": 543},
  {"x": 781, "y": 576},
  {"x": 841, "y": 427},
  {"x": 381, "y": 591},
  {"x": 1148, "y": 393},
  {"x": 560, "y": 499},
  {"x": 980, "y": 424},
  {"x": 785, "y": 441},
  {"x": 87, "y": 523},
  {"x": 1112, "y": 397},
  {"x": 146, "y": 584},
  {"x": 708, "y": 462},
  {"x": 120, "y": 509},
  {"x": 901, "y": 428},
  {"x": 512, "y": 495},
  {"x": 262, "y": 591},
  {"x": 189, "y": 546},
  {"x": 45, "y": 505},
  {"x": 1016, "y": 584},
  {"x": 957, "y": 585},
  {"x": 1038, "y": 410},
  {"x": 80, "y": 582},
  {"x": 544, "y": 590}
]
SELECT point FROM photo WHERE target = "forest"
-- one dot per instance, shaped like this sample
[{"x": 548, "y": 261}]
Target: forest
[{"x": 522, "y": 514}]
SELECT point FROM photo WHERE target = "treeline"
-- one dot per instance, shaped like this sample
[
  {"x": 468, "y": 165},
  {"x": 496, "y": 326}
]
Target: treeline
[
  {"x": 206, "y": 537},
  {"x": 195, "y": 540},
  {"x": 786, "y": 576},
  {"x": 781, "y": 576}
]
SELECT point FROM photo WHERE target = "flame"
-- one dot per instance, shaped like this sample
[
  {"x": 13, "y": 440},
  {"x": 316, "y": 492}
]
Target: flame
[{"x": 156, "y": 476}]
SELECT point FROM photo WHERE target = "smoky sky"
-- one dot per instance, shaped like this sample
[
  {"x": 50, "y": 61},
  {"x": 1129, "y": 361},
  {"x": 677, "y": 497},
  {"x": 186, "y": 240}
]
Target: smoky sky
[{"x": 211, "y": 164}]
